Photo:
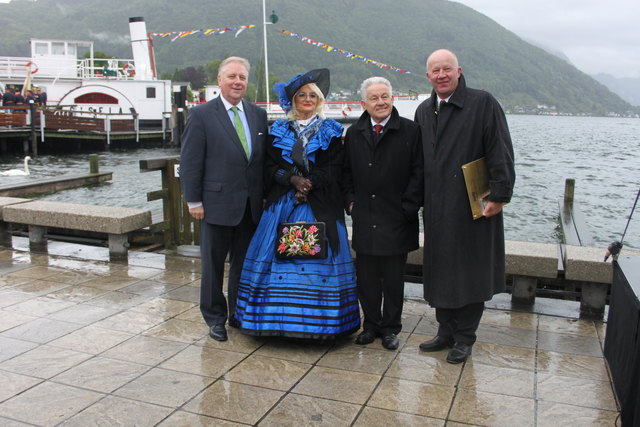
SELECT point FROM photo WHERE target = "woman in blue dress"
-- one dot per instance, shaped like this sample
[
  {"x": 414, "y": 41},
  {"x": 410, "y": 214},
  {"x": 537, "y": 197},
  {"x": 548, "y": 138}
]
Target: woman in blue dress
[{"x": 301, "y": 298}]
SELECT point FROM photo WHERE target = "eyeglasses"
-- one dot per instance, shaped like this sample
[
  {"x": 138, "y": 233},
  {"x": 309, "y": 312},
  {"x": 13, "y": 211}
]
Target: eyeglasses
[{"x": 302, "y": 95}]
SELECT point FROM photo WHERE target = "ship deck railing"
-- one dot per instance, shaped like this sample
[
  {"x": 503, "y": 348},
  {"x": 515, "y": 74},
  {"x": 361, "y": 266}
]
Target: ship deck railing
[{"x": 14, "y": 67}]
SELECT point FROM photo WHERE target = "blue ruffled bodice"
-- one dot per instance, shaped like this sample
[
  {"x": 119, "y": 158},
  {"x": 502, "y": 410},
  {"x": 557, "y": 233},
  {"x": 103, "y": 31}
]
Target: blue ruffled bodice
[{"x": 285, "y": 137}]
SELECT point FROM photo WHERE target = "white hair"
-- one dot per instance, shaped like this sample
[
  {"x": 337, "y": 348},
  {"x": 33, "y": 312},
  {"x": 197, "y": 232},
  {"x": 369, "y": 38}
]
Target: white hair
[
  {"x": 232, "y": 59},
  {"x": 372, "y": 81}
]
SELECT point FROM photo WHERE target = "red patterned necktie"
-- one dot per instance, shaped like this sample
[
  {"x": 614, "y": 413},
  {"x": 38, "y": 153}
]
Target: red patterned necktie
[{"x": 378, "y": 128}]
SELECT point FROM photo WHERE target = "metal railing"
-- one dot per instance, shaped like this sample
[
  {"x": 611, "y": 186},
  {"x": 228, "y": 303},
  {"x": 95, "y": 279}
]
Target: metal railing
[{"x": 12, "y": 67}]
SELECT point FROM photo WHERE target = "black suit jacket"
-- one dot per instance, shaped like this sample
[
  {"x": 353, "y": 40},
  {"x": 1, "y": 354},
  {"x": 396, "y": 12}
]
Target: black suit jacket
[{"x": 214, "y": 168}]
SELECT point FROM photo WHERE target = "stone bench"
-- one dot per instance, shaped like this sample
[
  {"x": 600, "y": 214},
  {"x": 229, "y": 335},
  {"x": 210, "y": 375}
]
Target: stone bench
[
  {"x": 116, "y": 222},
  {"x": 526, "y": 262},
  {"x": 5, "y": 237},
  {"x": 586, "y": 265}
]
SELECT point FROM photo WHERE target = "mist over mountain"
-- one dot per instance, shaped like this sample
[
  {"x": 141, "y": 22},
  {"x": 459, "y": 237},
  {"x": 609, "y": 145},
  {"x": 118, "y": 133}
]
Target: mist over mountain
[
  {"x": 627, "y": 88},
  {"x": 523, "y": 77},
  {"x": 551, "y": 50}
]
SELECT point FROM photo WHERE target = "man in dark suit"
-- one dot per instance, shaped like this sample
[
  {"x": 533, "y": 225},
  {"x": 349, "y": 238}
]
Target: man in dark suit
[
  {"x": 221, "y": 168},
  {"x": 383, "y": 183}
]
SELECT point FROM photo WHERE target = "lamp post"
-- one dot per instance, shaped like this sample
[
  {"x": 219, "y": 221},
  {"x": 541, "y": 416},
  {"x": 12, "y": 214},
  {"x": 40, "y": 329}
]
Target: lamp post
[
  {"x": 272, "y": 20},
  {"x": 34, "y": 138}
]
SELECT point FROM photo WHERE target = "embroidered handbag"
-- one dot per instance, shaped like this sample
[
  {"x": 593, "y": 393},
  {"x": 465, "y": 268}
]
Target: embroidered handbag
[{"x": 301, "y": 240}]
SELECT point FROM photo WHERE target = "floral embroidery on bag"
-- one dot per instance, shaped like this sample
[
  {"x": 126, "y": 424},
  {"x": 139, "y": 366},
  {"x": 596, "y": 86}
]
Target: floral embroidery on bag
[{"x": 296, "y": 240}]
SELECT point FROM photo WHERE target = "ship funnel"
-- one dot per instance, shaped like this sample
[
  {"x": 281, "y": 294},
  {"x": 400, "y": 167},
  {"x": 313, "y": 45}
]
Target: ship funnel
[{"x": 142, "y": 50}]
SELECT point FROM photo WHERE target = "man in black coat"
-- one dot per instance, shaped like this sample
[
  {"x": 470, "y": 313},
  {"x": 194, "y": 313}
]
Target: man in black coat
[
  {"x": 221, "y": 173},
  {"x": 18, "y": 98},
  {"x": 41, "y": 97},
  {"x": 30, "y": 97},
  {"x": 383, "y": 185},
  {"x": 464, "y": 260},
  {"x": 8, "y": 100}
]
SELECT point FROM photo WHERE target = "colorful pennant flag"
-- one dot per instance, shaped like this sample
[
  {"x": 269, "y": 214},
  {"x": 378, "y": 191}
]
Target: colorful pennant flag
[
  {"x": 175, "y": 35},
  {"x": 346, "y": 53}
]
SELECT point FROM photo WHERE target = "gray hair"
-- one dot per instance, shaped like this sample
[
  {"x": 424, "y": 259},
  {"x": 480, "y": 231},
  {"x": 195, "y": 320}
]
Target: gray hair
[
  {"x": 372, "y": 81},
  {"x": 293, "y": 113},
  {"x": 236, "y": 59}
]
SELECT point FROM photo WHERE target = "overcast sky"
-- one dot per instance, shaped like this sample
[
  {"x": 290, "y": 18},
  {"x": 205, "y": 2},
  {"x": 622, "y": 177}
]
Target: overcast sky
[{"x": 600, "y": 36}]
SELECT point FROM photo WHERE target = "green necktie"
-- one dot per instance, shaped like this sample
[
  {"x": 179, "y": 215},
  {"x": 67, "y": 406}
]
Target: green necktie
[{"x": 237, "y": 122}]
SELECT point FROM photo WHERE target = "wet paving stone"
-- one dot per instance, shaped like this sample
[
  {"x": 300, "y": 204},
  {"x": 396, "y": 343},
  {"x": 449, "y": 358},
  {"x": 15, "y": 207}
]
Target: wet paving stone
[{"x": 87, "y": 342}]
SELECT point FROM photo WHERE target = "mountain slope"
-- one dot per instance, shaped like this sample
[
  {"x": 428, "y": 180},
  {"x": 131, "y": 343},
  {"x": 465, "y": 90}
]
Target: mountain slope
[
  {"x": 398, "y": 33},
  {"x": 628, "y": 88}
]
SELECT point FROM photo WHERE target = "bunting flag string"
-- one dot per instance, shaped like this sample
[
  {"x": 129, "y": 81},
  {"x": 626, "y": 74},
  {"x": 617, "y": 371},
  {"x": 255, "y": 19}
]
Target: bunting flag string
[
  {"x": 346, "y": 53},
  {"x": 175, "y": 35}
]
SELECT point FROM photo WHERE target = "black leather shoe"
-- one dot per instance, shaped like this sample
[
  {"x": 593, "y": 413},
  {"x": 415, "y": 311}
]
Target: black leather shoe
[
  {"x": 459, "y": 353},
  {"x": 218, "y": 332},
  {"x": 437, "y": 344},
  {"x": 366, "y": 337},
  {"x": 390, "y": 341}
]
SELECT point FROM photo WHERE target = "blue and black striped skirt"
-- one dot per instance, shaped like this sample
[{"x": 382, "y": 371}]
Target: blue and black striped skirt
[{"x": 314, "y": 298}]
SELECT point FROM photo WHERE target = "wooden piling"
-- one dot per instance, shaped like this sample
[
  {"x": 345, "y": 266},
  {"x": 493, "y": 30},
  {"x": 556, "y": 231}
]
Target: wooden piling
[
  {"x": 573, "y": 222},
  {"x": 94, "y": 166},
  {"x": 569, "y": 191},
  {"x": 175, "y": 199}
]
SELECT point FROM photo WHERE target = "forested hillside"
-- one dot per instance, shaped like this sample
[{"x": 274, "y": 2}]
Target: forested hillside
[{"x": 397, "y": 33}]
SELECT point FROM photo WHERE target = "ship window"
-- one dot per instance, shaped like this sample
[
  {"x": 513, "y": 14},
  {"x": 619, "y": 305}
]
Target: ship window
[
  {"x": 95, "y": 98},
  {"x": 151, "y": 92},
  {"x": 42, "y": 48},
  {"x": 71, "y": 49},
  {"x": 57, "y": 48}
]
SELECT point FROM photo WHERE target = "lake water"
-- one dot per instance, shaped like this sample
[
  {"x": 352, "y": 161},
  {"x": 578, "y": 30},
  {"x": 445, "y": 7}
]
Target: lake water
[{"x": 601, "y": 154}]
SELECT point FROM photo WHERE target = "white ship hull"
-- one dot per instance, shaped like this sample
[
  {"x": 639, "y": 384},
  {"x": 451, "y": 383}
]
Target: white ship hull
[{"x": 89, "y": 86}]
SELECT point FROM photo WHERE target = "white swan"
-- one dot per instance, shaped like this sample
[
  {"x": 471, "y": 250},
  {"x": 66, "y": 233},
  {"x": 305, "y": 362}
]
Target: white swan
[{"x": 18, "y": 172}]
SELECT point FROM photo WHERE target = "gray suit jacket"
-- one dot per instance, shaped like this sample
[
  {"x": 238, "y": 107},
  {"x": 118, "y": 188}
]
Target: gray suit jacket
[{"x": 214, "y": 168}]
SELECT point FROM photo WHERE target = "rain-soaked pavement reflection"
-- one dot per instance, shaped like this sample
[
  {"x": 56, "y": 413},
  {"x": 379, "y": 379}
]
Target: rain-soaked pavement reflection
[{"x": 87, "y": 342}]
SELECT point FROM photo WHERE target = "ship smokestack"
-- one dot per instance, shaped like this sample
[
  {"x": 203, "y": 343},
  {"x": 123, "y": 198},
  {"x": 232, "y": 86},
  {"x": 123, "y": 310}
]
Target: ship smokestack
[{"x": 142, "y": 50}]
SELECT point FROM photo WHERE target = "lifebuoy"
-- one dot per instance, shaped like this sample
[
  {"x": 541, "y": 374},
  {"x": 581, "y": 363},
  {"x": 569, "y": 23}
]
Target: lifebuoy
[
  {"x": 129, "y": 69},
  {"x": 32, "y": 67},
  {"x": 346, "y": 110}
]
